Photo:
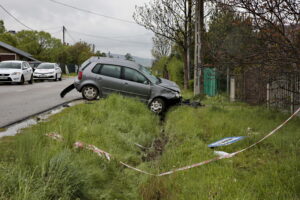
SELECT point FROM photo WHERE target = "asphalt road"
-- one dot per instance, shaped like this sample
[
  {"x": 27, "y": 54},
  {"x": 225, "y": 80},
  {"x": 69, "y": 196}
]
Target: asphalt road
[{"x": 20, "y": 101}]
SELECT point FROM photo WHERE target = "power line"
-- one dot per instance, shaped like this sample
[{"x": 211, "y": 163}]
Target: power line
[
  {"x": 16, "y": 18},
  {"x": 94, "y": 13},
  {"x": 67, "y": 31},
  {"x": 108, "y": 38},
  {"x": 49, "y": 29},
  {"x": 53, "y": 33},
  {"x": 130, "y": 36}
]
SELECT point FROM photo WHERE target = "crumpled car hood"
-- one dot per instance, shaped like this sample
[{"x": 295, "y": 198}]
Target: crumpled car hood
[{"x": 169, "y": 85}]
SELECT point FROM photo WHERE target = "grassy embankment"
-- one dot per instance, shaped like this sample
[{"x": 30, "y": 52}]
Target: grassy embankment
[{"x": 33, "y": 166}]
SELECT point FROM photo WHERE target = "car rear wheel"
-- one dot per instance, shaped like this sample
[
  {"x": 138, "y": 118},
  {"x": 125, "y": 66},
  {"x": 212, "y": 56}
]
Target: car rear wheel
[
  {"x": 90, "y": 93},
  {"x": 158, "y": 106}
]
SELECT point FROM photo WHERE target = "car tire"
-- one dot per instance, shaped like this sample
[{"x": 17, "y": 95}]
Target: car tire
[
  {"x": 158, "y": 105},
  {"x": 22, "y": 81},
  {"x": 55, "y": 77},
  {"x": 60, "y": 78},
  {"x": 31, "y": 80},
  {"x": 90, "y": 92}
]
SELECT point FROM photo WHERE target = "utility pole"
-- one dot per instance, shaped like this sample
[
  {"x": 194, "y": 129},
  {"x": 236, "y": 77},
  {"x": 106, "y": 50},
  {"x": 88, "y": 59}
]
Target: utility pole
[
  {"x": 64, "y": 33},
  {"x": 199, "y": 39}
]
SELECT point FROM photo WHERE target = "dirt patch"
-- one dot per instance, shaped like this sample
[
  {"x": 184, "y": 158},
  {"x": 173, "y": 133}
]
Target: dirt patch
[{"x": 156, "y": 149}]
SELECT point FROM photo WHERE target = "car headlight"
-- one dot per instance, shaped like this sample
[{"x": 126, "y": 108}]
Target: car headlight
[
  {"x": 177, "y": 95},
  {"x": 16, "y": 74}
]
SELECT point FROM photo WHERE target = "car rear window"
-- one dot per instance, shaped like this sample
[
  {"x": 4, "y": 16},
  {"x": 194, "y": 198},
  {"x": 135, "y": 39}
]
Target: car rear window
[{"x": 111, "y": 71}]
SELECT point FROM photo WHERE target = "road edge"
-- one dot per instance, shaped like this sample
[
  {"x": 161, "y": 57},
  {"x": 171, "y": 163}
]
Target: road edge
[{"x": 38, "y": 113}]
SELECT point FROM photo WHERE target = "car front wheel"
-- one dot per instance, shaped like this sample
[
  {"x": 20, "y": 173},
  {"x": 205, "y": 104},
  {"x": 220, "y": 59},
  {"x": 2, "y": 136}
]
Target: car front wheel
[
  {"x": 158, "y": 106},
  {"x": 90, "y": 93},
  {"x": 22, "y": 81},
  {"x": 31, "y": 80}
]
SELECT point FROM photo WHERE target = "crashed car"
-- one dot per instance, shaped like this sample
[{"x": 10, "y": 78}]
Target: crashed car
[{"x": 99, "y": 77}]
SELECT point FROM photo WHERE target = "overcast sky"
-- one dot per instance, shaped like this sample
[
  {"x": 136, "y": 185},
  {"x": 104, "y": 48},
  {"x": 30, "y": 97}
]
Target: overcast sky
[{"x": 49, "y": 16}]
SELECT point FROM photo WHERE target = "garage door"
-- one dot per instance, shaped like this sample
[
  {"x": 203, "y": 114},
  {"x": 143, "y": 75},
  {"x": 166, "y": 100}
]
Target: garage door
[{"x": 4, "y": 57}]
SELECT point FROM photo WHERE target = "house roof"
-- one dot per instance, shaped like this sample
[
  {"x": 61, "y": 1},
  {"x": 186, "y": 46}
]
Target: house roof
[{"x": 17, "y": 51}]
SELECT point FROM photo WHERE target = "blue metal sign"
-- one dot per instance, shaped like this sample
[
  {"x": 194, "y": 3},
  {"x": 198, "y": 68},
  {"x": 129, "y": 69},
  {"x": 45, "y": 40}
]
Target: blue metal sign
[{"x": 226, "y": 141}]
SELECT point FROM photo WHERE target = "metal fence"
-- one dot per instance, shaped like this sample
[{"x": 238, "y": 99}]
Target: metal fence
[
  {"x": 283, "y": 91},
  {"x": 276, "y": 89}
]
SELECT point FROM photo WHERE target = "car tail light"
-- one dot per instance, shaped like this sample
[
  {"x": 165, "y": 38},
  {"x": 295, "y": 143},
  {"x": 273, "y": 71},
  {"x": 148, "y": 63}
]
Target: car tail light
[{"x": 79, "y": 75}]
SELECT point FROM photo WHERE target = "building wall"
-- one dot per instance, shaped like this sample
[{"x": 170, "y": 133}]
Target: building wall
[{"x": 8, "y": 55}]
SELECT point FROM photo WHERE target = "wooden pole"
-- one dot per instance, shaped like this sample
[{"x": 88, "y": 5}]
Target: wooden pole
[{"x": 199, "y": 39}]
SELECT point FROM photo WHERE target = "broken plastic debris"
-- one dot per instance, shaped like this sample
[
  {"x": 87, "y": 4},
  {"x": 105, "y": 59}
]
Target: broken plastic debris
[{"x": 221, "y": 153}]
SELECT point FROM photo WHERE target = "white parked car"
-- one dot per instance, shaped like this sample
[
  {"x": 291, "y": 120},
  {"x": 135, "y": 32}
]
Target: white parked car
[
  {"x": 15, "y": 72},
  {"x": 49, "y": 71}
]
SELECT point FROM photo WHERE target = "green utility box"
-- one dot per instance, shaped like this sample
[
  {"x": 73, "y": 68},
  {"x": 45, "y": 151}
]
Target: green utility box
[{"x": 210, "y": 81}]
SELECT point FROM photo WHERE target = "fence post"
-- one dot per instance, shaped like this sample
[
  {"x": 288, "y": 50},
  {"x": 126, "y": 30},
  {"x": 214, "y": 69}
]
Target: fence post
[
  {"x": 268, "y": 95},
  {"x": 228, "y": 81},
  {"x": 232, "y": 89},
  {"x": 292, "y": 88}
]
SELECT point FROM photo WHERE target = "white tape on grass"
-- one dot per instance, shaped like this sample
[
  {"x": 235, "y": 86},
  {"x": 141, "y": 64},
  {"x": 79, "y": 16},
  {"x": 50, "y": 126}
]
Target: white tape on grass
[{"x": 224, "y": 155}]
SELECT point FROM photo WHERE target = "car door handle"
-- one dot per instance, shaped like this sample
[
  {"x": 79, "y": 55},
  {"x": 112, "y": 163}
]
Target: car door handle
[
  {"x": 126, "y": 84},
  {"x": 99, "y": 78}
]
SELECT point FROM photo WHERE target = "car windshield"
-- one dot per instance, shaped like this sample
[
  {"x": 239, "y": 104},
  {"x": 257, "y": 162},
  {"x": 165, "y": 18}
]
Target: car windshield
[
  {"x": 148, "y": 74},
  {"x": 10, "y": 65},
  {"x": 45, "y": 66}
]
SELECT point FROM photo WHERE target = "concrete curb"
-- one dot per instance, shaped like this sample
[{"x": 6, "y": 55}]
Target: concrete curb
[{"x": 38, "y": 113}]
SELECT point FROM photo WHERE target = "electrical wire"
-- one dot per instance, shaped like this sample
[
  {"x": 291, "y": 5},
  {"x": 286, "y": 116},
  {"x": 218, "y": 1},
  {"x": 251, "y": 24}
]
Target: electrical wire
[
  {"x": 109, "y": 38},
  {"x": 15, "y": 18},
  {"x": 94, "y": 13},
  {"x": 68, "y": 33}
]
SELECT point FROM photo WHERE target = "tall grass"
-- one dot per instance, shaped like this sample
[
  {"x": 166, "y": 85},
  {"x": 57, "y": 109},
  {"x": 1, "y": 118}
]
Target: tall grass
[
  {"x": 36, "y": 167},
  {"x": 33, "y": 166},
  {"x": 270, "y": 170}
]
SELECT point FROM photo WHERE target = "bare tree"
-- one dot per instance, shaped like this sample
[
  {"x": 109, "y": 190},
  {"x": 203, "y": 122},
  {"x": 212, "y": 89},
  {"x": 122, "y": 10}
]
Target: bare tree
[
  {"x": 277, "y": 23},
  {"x": 169, "y": 19},
  {"x": 161, "y": 47}
]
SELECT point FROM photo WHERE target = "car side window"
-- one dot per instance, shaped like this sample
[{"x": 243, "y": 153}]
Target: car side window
[
  {"x": 24, "y": 66},
  {"x": 96, "y": 69},
  {"x": 111, "y": 71},
  {"x": 135, "y": 76}
]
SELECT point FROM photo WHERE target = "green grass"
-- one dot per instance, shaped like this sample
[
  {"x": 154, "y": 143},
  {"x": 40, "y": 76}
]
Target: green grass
[
  {"x": 33, "y": 166},
  {"x": 269, "y": 170},
  {"x": 36, "y": 167},
  {"x": 69, "y": 75}
]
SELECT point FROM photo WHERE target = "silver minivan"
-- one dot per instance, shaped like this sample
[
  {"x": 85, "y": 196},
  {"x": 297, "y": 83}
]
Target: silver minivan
[{"x": 101, "y": 76}]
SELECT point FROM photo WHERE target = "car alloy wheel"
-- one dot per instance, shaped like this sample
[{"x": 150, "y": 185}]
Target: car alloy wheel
[
  {"x": 90, "y": 92},
  {"x": 157, "y": 105}
]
